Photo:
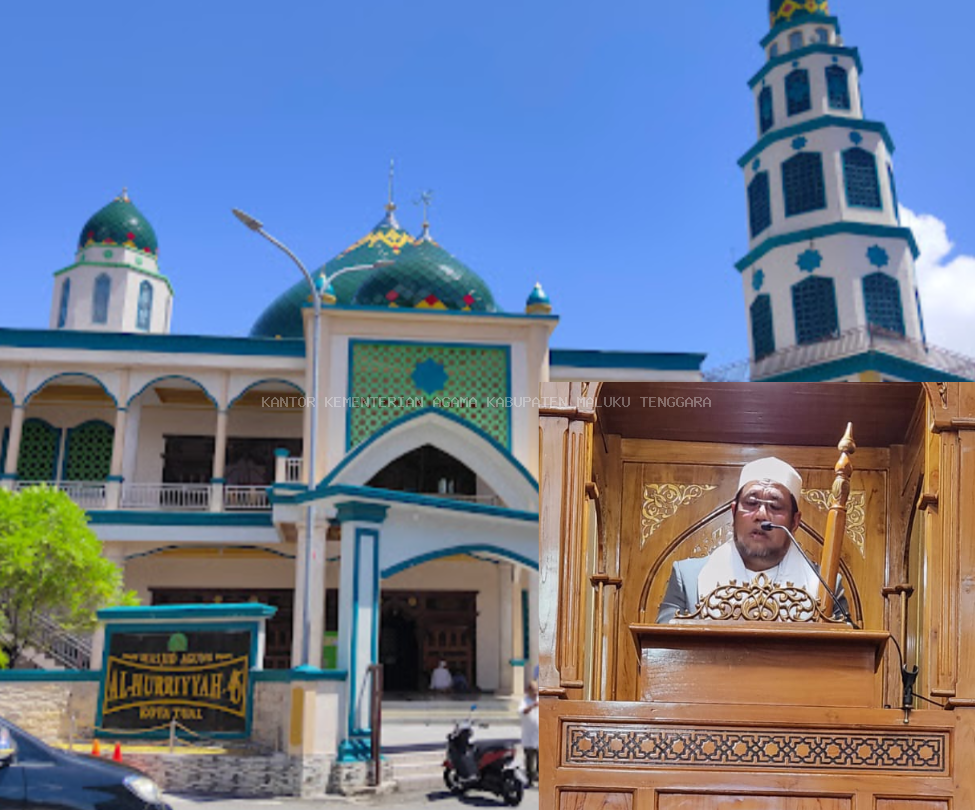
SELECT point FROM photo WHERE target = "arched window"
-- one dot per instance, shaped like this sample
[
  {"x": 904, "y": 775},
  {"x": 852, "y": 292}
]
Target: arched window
[
  {"x": 144, "y": 316},
  {"x": 814, "y": 310},
  {"x": 100, "y": 299},
  {"x": 795, "y": 40},
  {"x": 759, "y": 204},
  {"x": 797, "y": 91},
  {"x": 893, "y": 193},
  {"x": 763, "y": 337},
  {"x": 774, "y": 50},
  {"x": 860, "y": 176},
  {"x": 766, "y": 114},
  {"x": 838, "y": 88},
  {"x": 63, "y": 307},
  {"x": 822, "y": 35},
  {"x": 88, "y": 452},
  {"x": 803, "y": 184},
  {"x": 882, "y": 296}
]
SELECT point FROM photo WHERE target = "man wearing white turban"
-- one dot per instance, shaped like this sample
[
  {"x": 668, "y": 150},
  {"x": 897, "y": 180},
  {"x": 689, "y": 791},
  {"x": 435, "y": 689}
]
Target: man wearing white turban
[{"x": 768, "y": 490}]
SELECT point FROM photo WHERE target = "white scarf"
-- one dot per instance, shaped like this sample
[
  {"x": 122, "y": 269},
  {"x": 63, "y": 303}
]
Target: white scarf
[{"x": 725, "y": 564}]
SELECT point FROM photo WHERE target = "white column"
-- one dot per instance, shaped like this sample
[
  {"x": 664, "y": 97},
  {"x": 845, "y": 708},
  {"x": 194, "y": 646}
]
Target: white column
[
  {"x": 113, "y": 488},
  {"x": 13, "y": 446},
  {"x": 506, "y": 646},
  {"x": 359, "y": 613},
  {"x": 317, "y": 594},
  {"x": 219, "y": 462}
]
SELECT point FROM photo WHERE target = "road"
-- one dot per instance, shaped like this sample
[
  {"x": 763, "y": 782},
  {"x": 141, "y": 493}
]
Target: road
[{"x": 434, "y": 800}]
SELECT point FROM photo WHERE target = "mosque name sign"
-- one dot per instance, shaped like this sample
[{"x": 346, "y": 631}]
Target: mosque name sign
[{"x": 198, "y": 678}]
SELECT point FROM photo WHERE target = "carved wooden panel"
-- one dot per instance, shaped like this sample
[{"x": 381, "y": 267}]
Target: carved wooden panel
[
  {"x": 578, "y": 800},
  {"x": 912, "y": 804},
  {"x": 598, "y": 745},
  {"x": 686, "y": 801}
]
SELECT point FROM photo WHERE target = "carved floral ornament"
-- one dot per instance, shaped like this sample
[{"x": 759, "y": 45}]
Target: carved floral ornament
[
  {"x": 760, "y": 600},
  {"x": 661, "y": 502},
  {"x": 856, "y": 514}
]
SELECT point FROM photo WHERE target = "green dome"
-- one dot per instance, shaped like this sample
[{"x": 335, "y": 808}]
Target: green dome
[
  {"x": 786, "y": 11},
  {"x": 382, "y": 244},
  {"x": 120, "y": 223},
  {"x": 425, "y": 276}
]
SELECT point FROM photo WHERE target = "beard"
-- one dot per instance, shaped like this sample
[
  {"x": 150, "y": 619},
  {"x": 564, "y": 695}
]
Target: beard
[{"x": 767, "y": 553}]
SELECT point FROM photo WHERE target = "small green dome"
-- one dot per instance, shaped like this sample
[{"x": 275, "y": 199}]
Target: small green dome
[
  {"x": 120, "y": 223},
  {"x": 785, "y": 11},
  {"x": 382, "y": 244},
  {"x": 425, "y": 276}
]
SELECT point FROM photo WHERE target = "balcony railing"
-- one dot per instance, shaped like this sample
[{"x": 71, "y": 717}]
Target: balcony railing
[
  {"x": 245, "y": 499},
  {"x": 177, "y": 497},
  {"x": 87, "y": 494},
  {"x": 294, "y": 471}
]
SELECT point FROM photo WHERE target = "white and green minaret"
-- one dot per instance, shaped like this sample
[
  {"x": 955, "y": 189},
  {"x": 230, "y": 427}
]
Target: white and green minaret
[
  {"x": 829, "y": 279},
  {"x": 114, "y": 284}
]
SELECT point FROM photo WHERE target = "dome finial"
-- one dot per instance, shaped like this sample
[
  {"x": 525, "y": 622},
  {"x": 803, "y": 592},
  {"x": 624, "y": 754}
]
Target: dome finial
[
  {"x": 124, "y": 196},
  {"x": 391, "y": 205},
  {"x": 426, "y": 200}
]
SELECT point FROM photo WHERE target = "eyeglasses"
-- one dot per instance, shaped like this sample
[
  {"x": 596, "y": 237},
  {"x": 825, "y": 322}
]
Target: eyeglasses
[{"x": 750, "y": 504}]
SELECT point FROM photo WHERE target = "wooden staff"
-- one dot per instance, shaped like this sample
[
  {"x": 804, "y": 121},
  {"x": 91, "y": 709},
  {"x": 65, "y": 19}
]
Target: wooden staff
[{"x": 836, "y": 519}]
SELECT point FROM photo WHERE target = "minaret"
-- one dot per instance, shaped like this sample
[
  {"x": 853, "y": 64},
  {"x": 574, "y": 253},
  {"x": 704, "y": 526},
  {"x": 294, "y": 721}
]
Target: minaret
[{"x": 827, "y": 254}]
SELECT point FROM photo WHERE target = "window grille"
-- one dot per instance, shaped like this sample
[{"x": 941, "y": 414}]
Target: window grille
[
  {"x": 795, "y": 40},
  {"x": 860, "y": 176},
  {"x": 765, "y": 112},
  {"x": 882, "y": 296},
  {"x": 63, "y": 307},
  {"x": 759, "y": 204},
  {"x": 814, "y": 310},
  {"x": 803, "y": 183},
  {"x": 144, "y": 316},
  {"x": 797, "y": 92},
  {"x": 100, "y": 299},
  {"x": 763, "y": 336},
  {"x": 838, "y": 88}
]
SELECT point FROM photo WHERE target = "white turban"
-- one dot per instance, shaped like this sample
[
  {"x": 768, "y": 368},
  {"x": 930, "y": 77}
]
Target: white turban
[{"x": 775, "y": 470}]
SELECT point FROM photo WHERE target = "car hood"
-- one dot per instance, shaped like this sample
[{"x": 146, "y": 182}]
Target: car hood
[{"x": 114, "y": 770}]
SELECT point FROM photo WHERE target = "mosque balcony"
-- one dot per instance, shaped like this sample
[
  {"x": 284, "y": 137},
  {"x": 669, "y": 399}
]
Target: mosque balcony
[
  {"x": 907, "y": 352},
  {"x": 86, "y": 494},
  {"x": 160, "y": 497}
]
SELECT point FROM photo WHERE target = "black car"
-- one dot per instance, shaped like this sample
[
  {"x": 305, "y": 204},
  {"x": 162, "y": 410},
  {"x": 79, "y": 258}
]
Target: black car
[{"x": 34, "y": 775}]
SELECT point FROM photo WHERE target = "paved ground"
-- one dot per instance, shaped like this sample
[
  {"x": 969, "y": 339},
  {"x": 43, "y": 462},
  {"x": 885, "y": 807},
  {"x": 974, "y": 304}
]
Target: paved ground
[{"x": 434, "y": 800}]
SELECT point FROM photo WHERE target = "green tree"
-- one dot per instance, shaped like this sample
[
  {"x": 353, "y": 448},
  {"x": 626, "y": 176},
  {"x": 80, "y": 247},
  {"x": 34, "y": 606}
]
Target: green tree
[{"x": 50, "y": 563}]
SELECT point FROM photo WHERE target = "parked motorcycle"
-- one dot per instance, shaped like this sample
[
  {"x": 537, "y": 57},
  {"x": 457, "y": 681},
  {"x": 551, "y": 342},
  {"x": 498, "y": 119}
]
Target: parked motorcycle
[{"x": 488, "y": 766}]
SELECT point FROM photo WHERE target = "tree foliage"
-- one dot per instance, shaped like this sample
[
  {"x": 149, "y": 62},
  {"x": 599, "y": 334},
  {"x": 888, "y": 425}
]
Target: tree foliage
[{"x": 51, "y": 564}]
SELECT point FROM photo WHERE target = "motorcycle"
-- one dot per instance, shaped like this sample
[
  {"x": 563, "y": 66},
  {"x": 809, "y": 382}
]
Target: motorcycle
[{"x": 488, "y": 766}]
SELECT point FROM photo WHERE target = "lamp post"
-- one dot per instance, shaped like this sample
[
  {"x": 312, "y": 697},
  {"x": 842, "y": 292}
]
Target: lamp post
[{"x": 258, "y": 227}]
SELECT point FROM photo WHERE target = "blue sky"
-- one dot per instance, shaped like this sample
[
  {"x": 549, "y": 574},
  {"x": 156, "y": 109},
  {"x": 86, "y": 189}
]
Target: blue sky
[{"x": 591, "y": 146}]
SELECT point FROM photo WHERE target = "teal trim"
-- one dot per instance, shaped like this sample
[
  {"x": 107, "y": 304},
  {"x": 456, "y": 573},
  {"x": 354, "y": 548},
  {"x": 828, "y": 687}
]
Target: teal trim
[
  {"x": 140, "y": 270},
  {"x": 294, "y": 487},
  {"x": 360, "y": 448},
  {"x": 792, "y": 56},
  {"x": 49, "y": 675},
  {"x": 466, "y": 549},
  {"x": 58, "y": 376},
  {"x": 653, "y": 361},
  {"x": 525, "y": 619},
  {"x": 164, "y": 344},
  {"x": 822, "y": 122},
  {"x": 163, "y": 549},
  {"x": 355, "y": 749},
  {"x": 868, "y": 361},
  {"x": 208, "y": 612},
  {"x": 298, "y": 674},
  {"x": 8, "y": 477},
  {"x": 361, "y": 535},
  {"x": 808, "y": 20},
  {"x": 353, "y": 343},
  {"x": 275, "y": 380},
  {"x": 183, "y": 377},
  {"x": 115, "y": 478},
  {"x": 394, "y": 496},
  {"x": 218, "y": 481},
  {"x": 440, "y": 313},
  {"x": 281, "y": 452},
  {"x": 857, "y": 228},
  {"x": 349, "y": 511},
  {"x": 123, "y": 627},
  {"x": 518, "y": 662},
  {"x": 119, "y": 517}
]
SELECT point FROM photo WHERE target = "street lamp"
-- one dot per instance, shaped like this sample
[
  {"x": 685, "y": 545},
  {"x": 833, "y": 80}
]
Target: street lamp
[{"x": 258, "y": 227}]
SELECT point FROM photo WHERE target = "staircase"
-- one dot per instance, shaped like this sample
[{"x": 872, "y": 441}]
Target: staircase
[{"x": 53, "y": 647}]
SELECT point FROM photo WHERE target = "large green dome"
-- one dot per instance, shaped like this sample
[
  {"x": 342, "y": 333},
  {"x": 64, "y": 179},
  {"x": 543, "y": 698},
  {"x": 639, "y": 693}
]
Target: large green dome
[
  {"x": 382, "y": 244},
  {"x": 786, "y": 11},
  {"x": 425, "y": 276},
  {"x": 120, "y": 223}
]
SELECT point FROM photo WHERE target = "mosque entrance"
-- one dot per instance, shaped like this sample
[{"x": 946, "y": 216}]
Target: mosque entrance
[{"x": 421, "y": 628}]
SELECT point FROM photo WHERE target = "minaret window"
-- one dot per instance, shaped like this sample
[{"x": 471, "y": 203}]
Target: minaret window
[
  {"x": 63, "y": 307},
  {"x": 774, "y": 50},
  {"x": 100, "y": 299},
  {"x": 838, "y": 87},
  {"x": 803, "y": 183},
  {"x": 822, "y": 35},
  {"x": 797, "y": 92},
  {"x": 795, "y": 40},
  {"x": 763, "y": 336},
  {"x": 759, "y": 204},
  {"x": 860, "y": 175},
  {"x": 893, "y": 193},
  {"x": 144, "y": 316},
  {"x": 882, "y": 296},
  {"x": 766, "y": 114},
  {"x": 814, "y": 310}
]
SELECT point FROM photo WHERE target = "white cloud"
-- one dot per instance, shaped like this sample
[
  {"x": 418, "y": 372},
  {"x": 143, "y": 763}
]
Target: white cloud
[{"x": 946, "y": 282}]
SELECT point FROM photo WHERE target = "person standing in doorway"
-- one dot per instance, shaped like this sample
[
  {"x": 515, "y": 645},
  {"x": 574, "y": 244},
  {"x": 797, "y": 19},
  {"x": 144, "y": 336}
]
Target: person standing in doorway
[{"x": 529, "y": 730}]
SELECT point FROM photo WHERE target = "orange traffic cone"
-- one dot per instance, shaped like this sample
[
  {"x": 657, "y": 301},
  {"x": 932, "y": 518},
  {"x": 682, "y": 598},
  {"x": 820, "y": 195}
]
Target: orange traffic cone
[
  {"x": 117, "y": 753},
  {"x": 95, "y": 750}
]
